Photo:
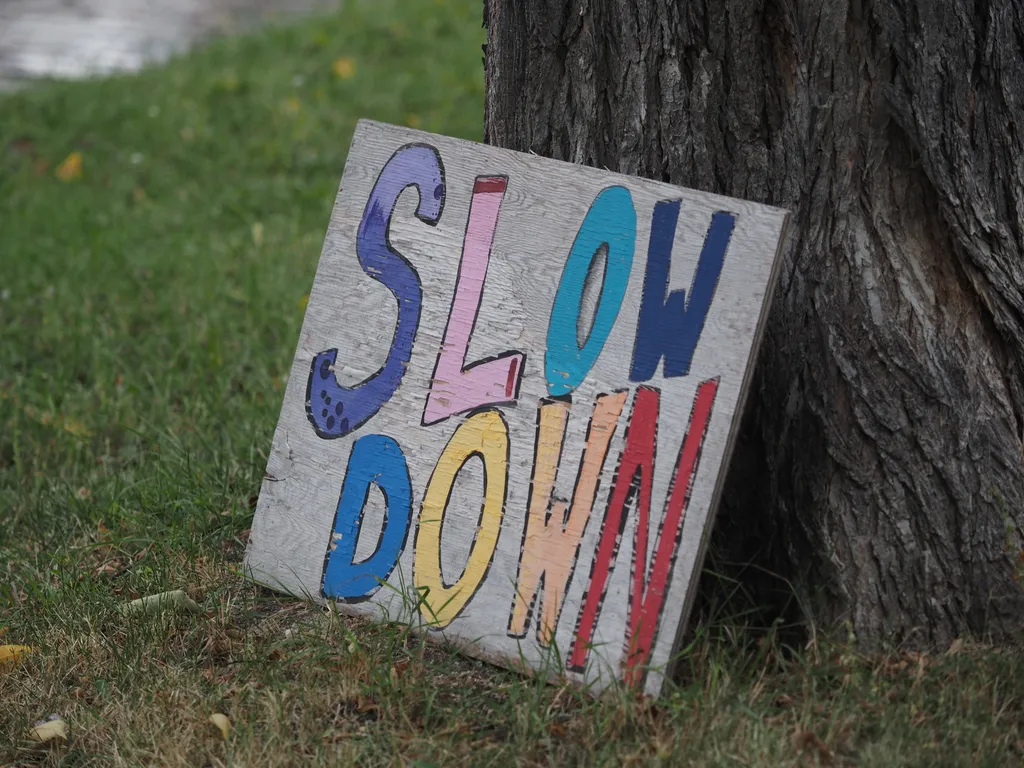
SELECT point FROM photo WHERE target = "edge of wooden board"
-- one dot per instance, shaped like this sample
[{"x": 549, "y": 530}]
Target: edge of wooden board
[
  {"x": 589, "y": 170},
  {"x": 730, "y": 444}
]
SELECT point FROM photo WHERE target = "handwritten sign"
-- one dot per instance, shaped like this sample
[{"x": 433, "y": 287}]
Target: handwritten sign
[{"x": 513, "y": 402}]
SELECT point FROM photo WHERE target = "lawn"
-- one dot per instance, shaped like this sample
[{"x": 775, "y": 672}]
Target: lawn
[{"x": 158, "y": 237}]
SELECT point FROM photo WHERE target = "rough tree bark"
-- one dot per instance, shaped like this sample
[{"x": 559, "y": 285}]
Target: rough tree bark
[{"x": 880, "y": 465}]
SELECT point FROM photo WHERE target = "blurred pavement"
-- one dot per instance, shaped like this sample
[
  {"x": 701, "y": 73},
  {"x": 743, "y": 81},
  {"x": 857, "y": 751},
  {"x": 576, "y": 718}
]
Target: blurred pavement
[{"x": 81, "y": 38}]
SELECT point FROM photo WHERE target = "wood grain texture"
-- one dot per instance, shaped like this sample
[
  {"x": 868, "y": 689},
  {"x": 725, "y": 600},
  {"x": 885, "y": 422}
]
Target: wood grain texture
[{"x": 453, "y": 452}]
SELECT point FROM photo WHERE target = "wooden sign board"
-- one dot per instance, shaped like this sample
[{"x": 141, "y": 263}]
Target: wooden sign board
[{"x": 511, "y": 410}]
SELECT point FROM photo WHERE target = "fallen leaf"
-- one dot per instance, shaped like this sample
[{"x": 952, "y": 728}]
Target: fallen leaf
[
  {"x": 109, "y": 568},
  {"x": 11, "y": 655},
  {"x": 922, "y": 662},
  {"x": 364, "y": 705},
  {"x": 174, "y": 600},
  {"x": 955, "y": 647},
  {"x": 49, "y": 729},
  {"x": 229, "y": 82},
  {"x": 71, "y": 168},
  {"x": 344, "y": 68},
  {"x": 74, "y": 427},
  {"x": 222, "y": 723},
  {"x": 3, "y": 631}
]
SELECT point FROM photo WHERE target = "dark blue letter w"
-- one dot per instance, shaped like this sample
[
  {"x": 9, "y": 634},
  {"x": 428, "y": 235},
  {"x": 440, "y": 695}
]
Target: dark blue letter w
[{"x": 670, "y": 326}]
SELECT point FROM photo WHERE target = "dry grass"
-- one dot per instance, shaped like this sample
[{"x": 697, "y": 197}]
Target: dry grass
[{"x": 305, "y": 686}]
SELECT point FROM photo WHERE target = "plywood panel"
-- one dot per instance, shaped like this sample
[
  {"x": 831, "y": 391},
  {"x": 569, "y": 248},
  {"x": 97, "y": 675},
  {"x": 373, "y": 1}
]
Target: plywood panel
[{"x": 513, "y": 401}]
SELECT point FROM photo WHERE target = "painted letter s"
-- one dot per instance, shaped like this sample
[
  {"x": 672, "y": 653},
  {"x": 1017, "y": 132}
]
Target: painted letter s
[{"x": 335, "y": 410}]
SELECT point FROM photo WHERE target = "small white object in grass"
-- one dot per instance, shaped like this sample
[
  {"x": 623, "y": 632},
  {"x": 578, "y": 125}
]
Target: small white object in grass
[
  {"x": 49, "y": 729},
  {"x": 174, "y": 600},
  {"x": 222, "y": 722}
]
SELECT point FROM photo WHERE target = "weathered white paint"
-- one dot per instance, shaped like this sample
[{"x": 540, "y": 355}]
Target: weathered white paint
[{"x": 544, "y": 205}]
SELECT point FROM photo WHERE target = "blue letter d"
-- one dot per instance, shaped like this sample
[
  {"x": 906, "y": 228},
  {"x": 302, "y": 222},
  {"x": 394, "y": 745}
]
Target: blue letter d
[{"x": 376, "y": 460}]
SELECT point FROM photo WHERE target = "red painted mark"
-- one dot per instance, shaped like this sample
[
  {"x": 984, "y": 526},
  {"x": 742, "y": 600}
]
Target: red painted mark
[
  {"x": 637, "y": 458},
  {"x": 648, "y": 592},
  {"x": 648, "y": 599},
  {"x": 510, "y": 382},
  {"x": 490, "y": 184}
]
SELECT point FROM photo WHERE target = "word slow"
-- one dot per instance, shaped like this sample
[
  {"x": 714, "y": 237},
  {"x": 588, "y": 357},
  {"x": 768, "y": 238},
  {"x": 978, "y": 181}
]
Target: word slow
[{"x": 669, "y": 326}]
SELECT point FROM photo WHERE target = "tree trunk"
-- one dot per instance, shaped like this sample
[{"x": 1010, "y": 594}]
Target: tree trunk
[{"x": 880, "y": 464}]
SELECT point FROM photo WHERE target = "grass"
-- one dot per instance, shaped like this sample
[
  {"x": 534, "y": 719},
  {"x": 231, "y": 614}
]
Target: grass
[{"x": 158, "y": 235}]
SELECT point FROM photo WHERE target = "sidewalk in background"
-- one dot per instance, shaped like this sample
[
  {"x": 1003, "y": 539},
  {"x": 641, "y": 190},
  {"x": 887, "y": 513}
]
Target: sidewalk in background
[{"x": 81, "y": 38}]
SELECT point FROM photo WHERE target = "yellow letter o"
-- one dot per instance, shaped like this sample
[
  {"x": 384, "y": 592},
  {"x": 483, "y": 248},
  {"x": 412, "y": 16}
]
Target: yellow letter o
[{"x": 484, "y": 434}]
